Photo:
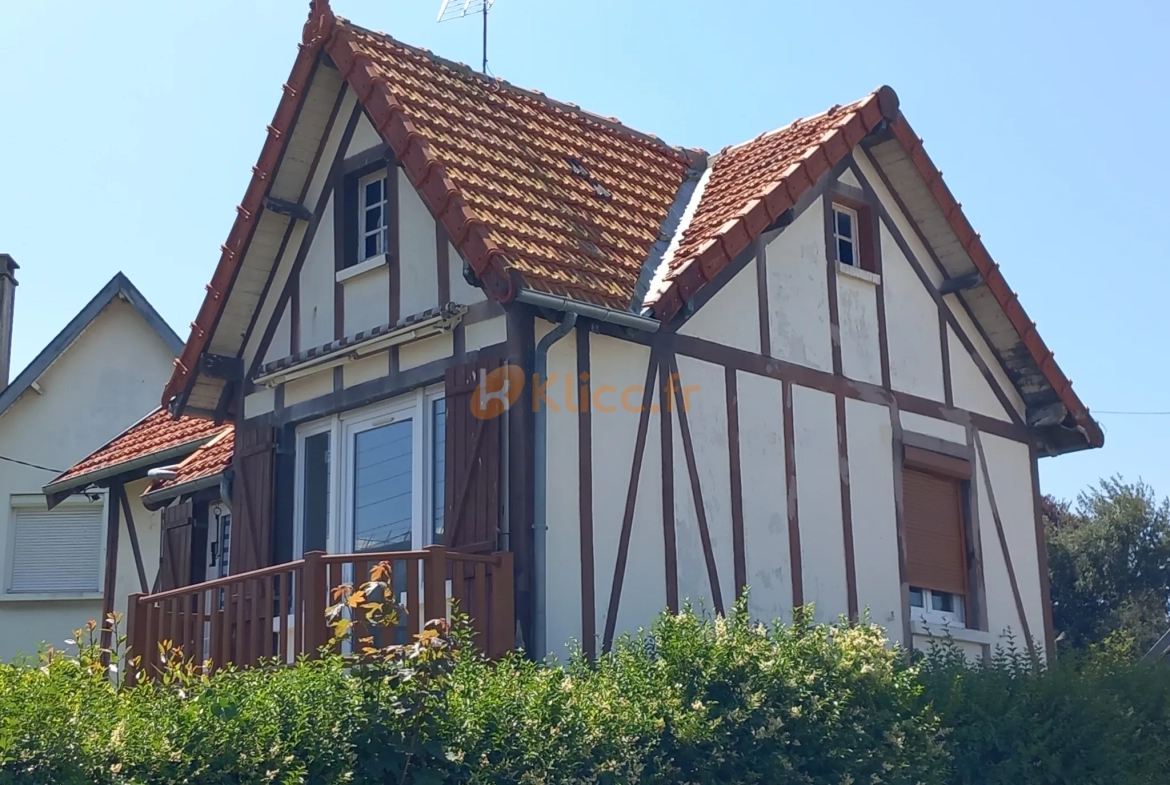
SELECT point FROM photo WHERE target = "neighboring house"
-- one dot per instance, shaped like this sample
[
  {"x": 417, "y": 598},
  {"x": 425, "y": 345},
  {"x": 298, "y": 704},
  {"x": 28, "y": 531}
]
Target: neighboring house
[
  {"x": 96, "y": 377},
  {"x": 790, "y": 365}
]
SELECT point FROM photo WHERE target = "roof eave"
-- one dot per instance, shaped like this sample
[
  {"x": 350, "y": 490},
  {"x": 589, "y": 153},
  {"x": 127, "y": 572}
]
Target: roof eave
[
  {"x": 153, "y": 500},
  {"x": 73, "y": 485}
]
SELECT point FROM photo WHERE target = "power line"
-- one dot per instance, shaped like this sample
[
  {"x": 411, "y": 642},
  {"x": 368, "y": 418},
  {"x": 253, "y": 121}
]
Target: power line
[
  {"x": 30, "y": 465},
  {"x": 1135, "y": 413}
]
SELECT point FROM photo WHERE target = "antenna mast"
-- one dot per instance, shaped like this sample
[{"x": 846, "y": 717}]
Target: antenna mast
[{"x": 458, "y": 9}]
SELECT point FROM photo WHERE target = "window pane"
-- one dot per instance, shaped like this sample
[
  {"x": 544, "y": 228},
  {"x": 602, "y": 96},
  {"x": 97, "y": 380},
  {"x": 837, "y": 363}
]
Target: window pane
[
  {"x": 844, "y": 251},
  {"x": 373, "y": 192},
  {"x": 373, "y": 218},
  {"x": 315, "y": 495},
  {"x": 916, "y": 599},
  {"x": 943, "y": 601},
  {"x": 844, "y": 223},
  {"x": 372, "y": 244},
  {"x": 382, "y": 495},
  {"x": 439, "y": 466}
]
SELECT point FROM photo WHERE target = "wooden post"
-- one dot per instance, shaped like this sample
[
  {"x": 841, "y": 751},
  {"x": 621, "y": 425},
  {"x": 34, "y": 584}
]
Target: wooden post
[
  {"x": 315, "y": 603},
  {"x": 503, "y": 622},
  {"x": 110, "y": 587},
  {"x": 435, "y": 584},
  {"x": 134, "y": 645}
]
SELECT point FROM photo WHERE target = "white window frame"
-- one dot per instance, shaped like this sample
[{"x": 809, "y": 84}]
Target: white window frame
[
  {"x": 343, "y": 429},
  {"x": 838, "y": 237},
  {"x": 928, "y": 615},
  {"x": 37, "y": 502},
  {"x": 364, "y": 231}
]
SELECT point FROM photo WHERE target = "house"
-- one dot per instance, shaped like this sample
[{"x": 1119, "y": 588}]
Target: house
[
  {"x": 92, "y": 380},
  {"x": 571, "y": 375}
]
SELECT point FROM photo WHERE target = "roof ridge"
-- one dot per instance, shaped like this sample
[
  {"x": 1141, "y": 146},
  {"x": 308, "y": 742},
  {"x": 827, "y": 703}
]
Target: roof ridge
[{"x": 493, "y": 83}]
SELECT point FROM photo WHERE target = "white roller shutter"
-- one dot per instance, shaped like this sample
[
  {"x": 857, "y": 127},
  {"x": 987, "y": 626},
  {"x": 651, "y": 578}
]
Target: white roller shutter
[{"x": 57, "y": 551}]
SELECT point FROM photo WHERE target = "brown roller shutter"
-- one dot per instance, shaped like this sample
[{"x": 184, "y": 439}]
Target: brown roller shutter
[
  {"x": 936, "y": 555},
  {"x": 472, "y": 480},
  {"x": 253, "y": 489},
  {"x": 178, "y": 526}
]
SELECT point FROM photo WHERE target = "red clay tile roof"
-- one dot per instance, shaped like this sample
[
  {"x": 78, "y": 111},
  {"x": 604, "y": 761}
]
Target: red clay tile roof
[
  {"x": 751, "y": 185},
  {"x": 542, "y": 195},
  {"x": 207, "y": 461},
  {"x": 155, "y": 433}
]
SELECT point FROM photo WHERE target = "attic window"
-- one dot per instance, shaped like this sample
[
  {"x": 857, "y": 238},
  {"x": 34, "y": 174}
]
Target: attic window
[
  {"x": 845, "y": 225},
  {"x": 372, "y": 227},
  {"x": 851, "y": 233}
]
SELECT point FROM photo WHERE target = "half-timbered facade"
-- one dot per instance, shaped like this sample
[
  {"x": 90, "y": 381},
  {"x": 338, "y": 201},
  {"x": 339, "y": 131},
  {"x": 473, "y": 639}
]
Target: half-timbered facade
[{"x": 453, "y": 312}]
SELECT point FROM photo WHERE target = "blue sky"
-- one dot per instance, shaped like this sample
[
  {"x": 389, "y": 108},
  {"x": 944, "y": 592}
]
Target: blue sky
[{"x": 128, "y": 131}]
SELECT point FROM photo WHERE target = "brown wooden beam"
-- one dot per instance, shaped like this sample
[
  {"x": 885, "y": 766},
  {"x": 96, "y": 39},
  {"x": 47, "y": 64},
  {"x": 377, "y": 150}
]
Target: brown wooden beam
[{"x": 110, "y": 587}]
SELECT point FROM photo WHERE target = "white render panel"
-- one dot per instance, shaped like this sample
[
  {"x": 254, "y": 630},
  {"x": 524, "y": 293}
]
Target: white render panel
[
  {"x": 437, "y": 347},
  {"x": 461, "y": 290},
  {"x": 622, "y": 365},
  {"x": 1009, "y": 465},
  {"x": 875, "y": 525},
  {"x": 418, "y": 278},
  {"x": 861, "y": 356},
  {"x": 798, "y": 294},
  {"x": 930, "y": 426},
  {"x": 848, "y": 178},
  {"x": 765, "y": 498},
  {"x": 989, "y": 358},
  {"x": 367, "y": 300},
  {"x": 308, "y": 388},
  {"x": 365, "y": 136},
  {"x": 732, "y": 316},
  {"x": 707, "y": 418},
  {"x": 562, "y": 506},
  {"x": 260, "y": 402},
  {"x": 912, "y": 332},
  {"x": 266, "y": 307},
  {"x": 279, "y": 346},
  {"x": 818, "y": 488},
  {"x": 365, "y": 369},
  {"x": 316, "y": 285},
  {"x": 970, "y": 388},
  {"x": 487, "y": 333}
]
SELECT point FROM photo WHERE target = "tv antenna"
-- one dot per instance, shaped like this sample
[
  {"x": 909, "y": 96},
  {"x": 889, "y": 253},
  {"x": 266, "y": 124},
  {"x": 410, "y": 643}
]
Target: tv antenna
[{"x": 458, "y": 9}]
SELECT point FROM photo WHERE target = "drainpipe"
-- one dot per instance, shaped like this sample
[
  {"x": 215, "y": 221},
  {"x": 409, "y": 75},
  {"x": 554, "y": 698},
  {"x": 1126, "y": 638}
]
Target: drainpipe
[{"x": 540, "y": 482}]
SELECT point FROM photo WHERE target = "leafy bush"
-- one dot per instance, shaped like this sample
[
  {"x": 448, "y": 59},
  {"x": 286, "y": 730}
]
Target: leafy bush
[{"x": 692, "y": 700}]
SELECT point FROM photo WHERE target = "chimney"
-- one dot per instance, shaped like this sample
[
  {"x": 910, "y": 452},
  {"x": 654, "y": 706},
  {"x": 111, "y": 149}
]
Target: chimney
[{"x": 8, "y": 268}]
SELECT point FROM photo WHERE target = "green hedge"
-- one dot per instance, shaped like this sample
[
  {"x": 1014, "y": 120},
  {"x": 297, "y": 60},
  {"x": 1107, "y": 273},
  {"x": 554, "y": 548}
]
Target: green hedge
[{"x": 691, "y": 701}]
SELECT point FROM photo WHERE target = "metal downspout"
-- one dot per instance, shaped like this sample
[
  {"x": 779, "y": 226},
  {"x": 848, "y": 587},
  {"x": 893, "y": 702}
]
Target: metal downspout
[{"x": 540, "y": 481}]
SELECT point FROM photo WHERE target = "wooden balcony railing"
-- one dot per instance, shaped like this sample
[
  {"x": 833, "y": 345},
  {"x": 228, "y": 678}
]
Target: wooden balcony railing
[{"x": 278, "y": 613}]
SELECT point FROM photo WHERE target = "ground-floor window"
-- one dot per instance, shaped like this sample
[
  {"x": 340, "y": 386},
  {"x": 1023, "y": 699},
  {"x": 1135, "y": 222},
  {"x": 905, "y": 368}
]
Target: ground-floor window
[{"x": 372, "y": 479}]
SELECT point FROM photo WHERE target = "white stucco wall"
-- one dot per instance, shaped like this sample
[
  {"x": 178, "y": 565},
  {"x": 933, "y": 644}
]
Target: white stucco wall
[
  {"x": 562, "y": 508},
  {"x": 912, "y": 332},
  {"x": 861, "y": 356},
  {"x": 108, "y": 379},
  {"x": 875, "y": 526},
  {"x": 732, "y": 316},
  {"x": 818, "y": 488},
  {"x": 798, "y": 293},
  {"x": 765, "y": 496},
  {"x": 316, "y": 284}
]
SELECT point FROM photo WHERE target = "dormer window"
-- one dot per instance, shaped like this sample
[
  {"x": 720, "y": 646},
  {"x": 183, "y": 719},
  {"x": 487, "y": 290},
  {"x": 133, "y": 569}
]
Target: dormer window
[
  {"x": 851, "y": 233},
  {"x": 366, "y": 216},
  {"x": 845, "y": 225},
  {"x": 372, "y": 215}
]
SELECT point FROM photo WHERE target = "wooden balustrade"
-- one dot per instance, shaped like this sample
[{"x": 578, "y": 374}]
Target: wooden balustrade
[{"x": 277, "y": 614}]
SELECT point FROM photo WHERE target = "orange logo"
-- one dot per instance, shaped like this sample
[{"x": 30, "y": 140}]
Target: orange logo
[{"x": 497, "y": 391}]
